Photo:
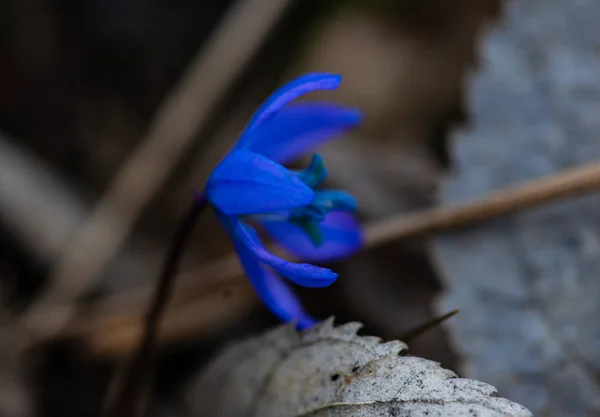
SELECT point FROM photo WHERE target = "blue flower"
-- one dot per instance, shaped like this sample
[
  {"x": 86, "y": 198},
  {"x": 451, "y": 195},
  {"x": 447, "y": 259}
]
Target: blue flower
[{"x": 251, "y": 185}]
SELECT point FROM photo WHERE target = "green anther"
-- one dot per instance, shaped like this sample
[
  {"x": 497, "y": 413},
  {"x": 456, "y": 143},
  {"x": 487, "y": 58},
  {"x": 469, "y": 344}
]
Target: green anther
[
  {"x": 315, "y": 174},
  {"x": 328, "y": 200},
  {"x": 312, "y": 230},
  {"x": 308, "y": 217}
]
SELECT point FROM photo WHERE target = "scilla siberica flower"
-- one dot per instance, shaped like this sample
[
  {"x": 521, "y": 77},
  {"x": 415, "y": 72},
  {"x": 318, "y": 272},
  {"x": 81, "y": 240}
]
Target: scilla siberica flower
[{"x": 251, "y": 185}]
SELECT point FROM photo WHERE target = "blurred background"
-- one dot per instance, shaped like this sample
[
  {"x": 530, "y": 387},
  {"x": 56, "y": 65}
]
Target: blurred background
[{"x": 112, "y": 113}]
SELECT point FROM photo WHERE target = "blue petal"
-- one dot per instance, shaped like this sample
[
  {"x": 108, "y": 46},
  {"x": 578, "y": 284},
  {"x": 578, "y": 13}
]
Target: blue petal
[
  {"x": 289, "y": 92},
  {"x": 341, "y": 231},
  {"x": 246, "y": 183},
  {"x": 306, "y": 275},
  {"x": 275, "y": 293},
  {"x": 299, "y": 129}
]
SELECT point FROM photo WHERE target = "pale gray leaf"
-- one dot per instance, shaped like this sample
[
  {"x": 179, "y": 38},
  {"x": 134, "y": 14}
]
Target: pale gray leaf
[
  {"x": 330, "y": 371},
  {"x": 528, "y": 285}
]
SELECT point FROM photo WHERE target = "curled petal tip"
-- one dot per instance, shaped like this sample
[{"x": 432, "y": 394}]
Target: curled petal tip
[
  {"x": 354, "y": 117},
  {"x": 306, "y": 323},
  {"x": 314, "y": 277},
  {"x": 327, "y": 81},
  {"x": 291, "y": 91},
  {"x": 303, "y": 274},
  {"x": 275, "y": 293}
]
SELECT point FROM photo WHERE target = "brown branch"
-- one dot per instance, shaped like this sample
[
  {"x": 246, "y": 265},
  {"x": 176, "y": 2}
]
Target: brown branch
[{"x": 570, "y": 183}]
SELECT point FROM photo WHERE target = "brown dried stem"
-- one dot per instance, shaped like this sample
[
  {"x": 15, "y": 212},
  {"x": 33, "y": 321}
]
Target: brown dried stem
[
  {"x": 130, "y": 399},
  {"x": 570, "y": 183}
]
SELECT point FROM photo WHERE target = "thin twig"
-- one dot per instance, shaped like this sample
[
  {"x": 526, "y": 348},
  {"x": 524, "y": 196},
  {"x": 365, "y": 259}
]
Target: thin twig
[
  {"x": 130, "y": 399},
  {"x": 577, "y": 181},
  {"x": 185, "y": 111},
  {"x": 412, "y": 334},
  {"x": 569, "y": 183}
]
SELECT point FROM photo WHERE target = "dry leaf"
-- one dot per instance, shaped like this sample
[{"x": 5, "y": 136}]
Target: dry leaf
[
  {"x": 330, "y": 371},
  {"x": 527, "y": 286}
]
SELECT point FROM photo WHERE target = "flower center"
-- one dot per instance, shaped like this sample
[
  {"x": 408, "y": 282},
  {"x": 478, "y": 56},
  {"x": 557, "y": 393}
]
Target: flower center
[
  {"x": 315, "y": 174},
  {"x": 308, "y": 217}
]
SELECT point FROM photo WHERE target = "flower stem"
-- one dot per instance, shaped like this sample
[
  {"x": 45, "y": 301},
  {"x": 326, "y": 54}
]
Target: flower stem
[{"x": 130, "y": 397}]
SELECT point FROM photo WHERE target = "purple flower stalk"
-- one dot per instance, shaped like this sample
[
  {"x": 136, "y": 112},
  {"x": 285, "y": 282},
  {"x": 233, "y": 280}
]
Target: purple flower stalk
[{"x": 251, "y": 186}]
